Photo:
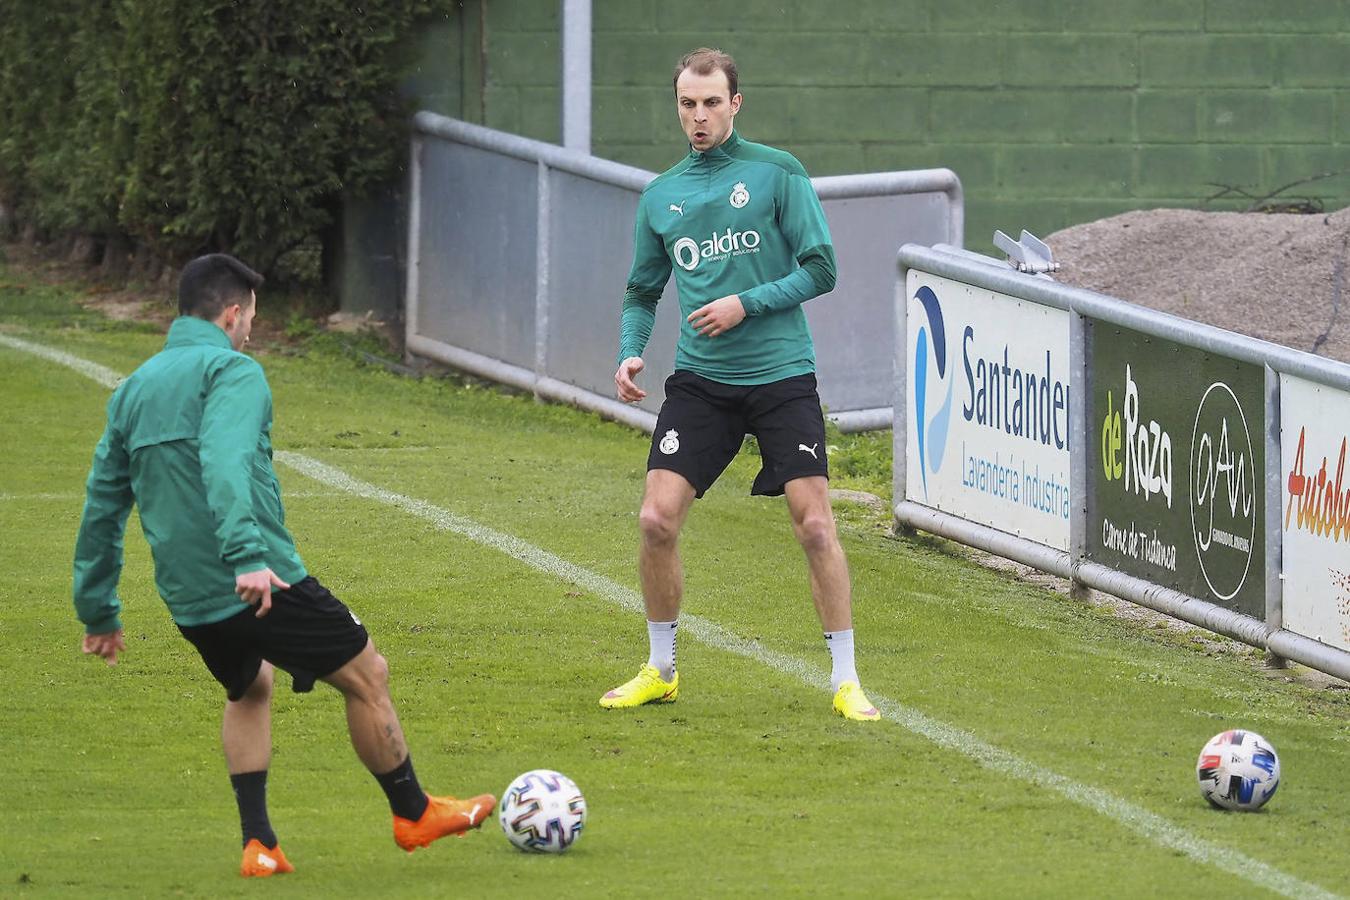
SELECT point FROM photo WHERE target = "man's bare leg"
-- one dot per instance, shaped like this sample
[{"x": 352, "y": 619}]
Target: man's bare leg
[
  {"x": 378, "y": 740},
  {"x": 813, "y": 523},
  {"x": 246, "y": 737},
  {"x": 808, "y": 502},
  {"x": 372, "y": 723},
  {"x": 246, "y": 727},
  {"x": 665, "y": 505}
]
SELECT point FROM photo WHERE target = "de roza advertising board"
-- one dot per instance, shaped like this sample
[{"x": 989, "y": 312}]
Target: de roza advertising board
[
  {"x": 1176, "y": 467},
  {"x": 1314, "y": 437},
  {"x": 988, "y": 408}
]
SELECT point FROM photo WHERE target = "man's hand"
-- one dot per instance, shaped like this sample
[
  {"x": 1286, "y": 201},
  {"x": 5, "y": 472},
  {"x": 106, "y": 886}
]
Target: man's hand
[
  {"x": 256, "y": 588},
  {"x": 719, "y": 316},
  {"x": 628, "y": 391},
  {"x": 105, "y": 645}
]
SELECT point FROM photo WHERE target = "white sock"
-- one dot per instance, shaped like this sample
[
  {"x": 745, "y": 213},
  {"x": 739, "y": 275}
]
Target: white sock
[
  {"x": 661, "y": 636},
  {"x": 841, "y": 657}
]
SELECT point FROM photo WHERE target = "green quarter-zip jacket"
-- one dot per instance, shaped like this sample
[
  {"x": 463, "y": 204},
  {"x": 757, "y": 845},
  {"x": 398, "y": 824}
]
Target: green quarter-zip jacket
[
  {"x": 741, "y": 218},
  {"x": 188, "y": 440}
]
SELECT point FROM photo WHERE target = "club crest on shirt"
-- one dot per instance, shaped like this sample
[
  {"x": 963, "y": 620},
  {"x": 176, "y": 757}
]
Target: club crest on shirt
[
  {"x": 740, "y": 195},
  {"x": 670, "y": 442}
]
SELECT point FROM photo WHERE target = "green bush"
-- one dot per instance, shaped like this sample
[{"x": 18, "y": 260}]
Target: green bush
[
  {"x": 198, "y": 125},
  {"x": 35, "y": 97}
]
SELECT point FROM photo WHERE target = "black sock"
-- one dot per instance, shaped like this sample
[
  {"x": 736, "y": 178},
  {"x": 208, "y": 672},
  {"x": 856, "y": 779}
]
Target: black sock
[
  {"x": 406, "y": 797},
  {"x": 250, "y": 792}
]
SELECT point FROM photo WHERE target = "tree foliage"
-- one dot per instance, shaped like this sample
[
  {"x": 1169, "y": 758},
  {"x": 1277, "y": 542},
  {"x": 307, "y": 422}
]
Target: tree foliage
[{"x": 199, "y": 125}]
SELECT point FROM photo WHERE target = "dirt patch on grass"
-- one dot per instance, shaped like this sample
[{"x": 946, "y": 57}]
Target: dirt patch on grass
[
  {"x": 156, "y": 303},
  {"x": 129, "y": 305},
  {"x": 862, "y": 498}
]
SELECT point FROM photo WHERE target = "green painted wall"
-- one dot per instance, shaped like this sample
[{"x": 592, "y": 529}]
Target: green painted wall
[{"x": 1052, "y": 112}]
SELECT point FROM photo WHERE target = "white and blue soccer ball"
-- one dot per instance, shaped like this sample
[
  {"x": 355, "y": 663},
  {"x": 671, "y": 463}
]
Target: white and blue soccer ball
[
  {"x": 543, "y": 811},
  {"x": 1238, "y": 770}
]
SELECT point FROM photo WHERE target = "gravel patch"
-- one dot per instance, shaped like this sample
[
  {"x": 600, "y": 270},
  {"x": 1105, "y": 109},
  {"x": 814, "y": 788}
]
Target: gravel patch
[{"x": 1278, "y": 276}]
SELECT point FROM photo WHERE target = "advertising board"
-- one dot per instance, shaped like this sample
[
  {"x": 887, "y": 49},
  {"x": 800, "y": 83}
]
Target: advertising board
[
  {"x": 1176, "y": 467},
  {"x": 988, "y": 430},
  {"x": 1315, "y": 520}
]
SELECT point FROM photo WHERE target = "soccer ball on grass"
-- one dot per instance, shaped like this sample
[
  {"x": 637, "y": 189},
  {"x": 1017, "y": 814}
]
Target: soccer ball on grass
[
  {"x": 543, "y": 811},
  {"x": 1238, "y": 770}
]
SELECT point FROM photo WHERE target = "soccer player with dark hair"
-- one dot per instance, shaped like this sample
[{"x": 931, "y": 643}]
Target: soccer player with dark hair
[
  {"x": 743, "y": 231},
  {"x": 188, "y": 441}
]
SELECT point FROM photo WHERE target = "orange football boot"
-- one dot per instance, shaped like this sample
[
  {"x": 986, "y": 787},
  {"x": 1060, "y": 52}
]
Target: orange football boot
[
  {"x": 443, "y": 815},
  {"x": 260, "y": 862}
]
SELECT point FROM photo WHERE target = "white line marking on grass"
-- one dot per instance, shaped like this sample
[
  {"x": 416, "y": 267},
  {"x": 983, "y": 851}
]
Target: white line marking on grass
[
  {"x": 1150, "y": 825},
  {"x": 102, "y": 374}
]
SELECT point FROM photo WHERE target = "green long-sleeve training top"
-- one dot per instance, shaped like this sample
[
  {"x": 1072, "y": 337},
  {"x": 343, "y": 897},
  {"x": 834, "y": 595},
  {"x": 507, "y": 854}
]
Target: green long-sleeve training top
[
  {"x": 741, "y": 218},
  {"x": 188, "y": 440}
]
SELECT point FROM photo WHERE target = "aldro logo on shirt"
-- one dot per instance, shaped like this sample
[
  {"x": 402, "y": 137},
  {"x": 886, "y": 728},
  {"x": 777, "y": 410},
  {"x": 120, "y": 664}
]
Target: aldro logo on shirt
[{"x": 689, "y": 253}]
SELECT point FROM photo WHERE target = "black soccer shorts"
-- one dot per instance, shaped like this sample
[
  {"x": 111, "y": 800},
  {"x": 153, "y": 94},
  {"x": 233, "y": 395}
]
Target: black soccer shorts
[
  {"x": 703, "y": 423},
  {"x": 308, "y": 632}
]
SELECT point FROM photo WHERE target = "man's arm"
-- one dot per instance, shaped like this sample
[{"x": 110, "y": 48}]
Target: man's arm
[
  {"x": 646, "y": 280},
  {"x": 98, "y": 547},
  {"x": 802, "y": 221},
  {"x": 104, "y": 645},
  {"x": 238, "y": 407},
  {"x": 636, "y": 322}
]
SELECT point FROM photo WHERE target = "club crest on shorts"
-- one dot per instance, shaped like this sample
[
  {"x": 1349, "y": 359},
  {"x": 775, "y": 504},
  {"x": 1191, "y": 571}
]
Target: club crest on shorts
[
  {"x": 739, "y": 195},
  {"x": 670, "y": 442}
]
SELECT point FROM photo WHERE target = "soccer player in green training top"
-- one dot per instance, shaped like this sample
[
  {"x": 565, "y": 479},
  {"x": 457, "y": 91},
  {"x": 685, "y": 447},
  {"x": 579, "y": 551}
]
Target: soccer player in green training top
[
  {"x": 743, "y": 230},
  {"x": 188, "y": 440}
]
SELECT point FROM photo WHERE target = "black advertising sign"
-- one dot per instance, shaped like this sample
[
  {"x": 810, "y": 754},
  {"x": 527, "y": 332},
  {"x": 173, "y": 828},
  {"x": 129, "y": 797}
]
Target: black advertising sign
[{"x": 1176, "y": 467}]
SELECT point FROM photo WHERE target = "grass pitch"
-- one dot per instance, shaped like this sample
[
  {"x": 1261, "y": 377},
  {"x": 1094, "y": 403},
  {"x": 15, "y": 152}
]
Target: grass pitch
[{"x": 114, "y": 784}]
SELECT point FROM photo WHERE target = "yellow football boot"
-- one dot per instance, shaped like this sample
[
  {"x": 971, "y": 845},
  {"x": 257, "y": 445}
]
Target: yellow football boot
[
  {"x": 647, "y": 687},
  {"x": 851, "y": 703}
]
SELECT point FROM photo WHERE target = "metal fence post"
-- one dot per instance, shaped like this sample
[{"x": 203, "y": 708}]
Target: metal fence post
[
  {"x": 1080, "y": 433},
  {"x": 542, "y": 256},
  {"x": 576, "y": 75},
  {"x": 900, "y": 402},
  {"x": 1274, "y": 530},
  {"x": 414, "y": 244}
]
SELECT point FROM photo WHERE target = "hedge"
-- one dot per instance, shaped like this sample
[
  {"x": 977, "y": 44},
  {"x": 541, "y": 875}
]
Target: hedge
[{"x": 189, "y": 126}]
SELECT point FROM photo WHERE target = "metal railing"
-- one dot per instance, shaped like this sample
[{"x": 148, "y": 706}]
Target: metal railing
[
  {"x": 518, "y": 252},
  {"x": 1098, "y": 327}
]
